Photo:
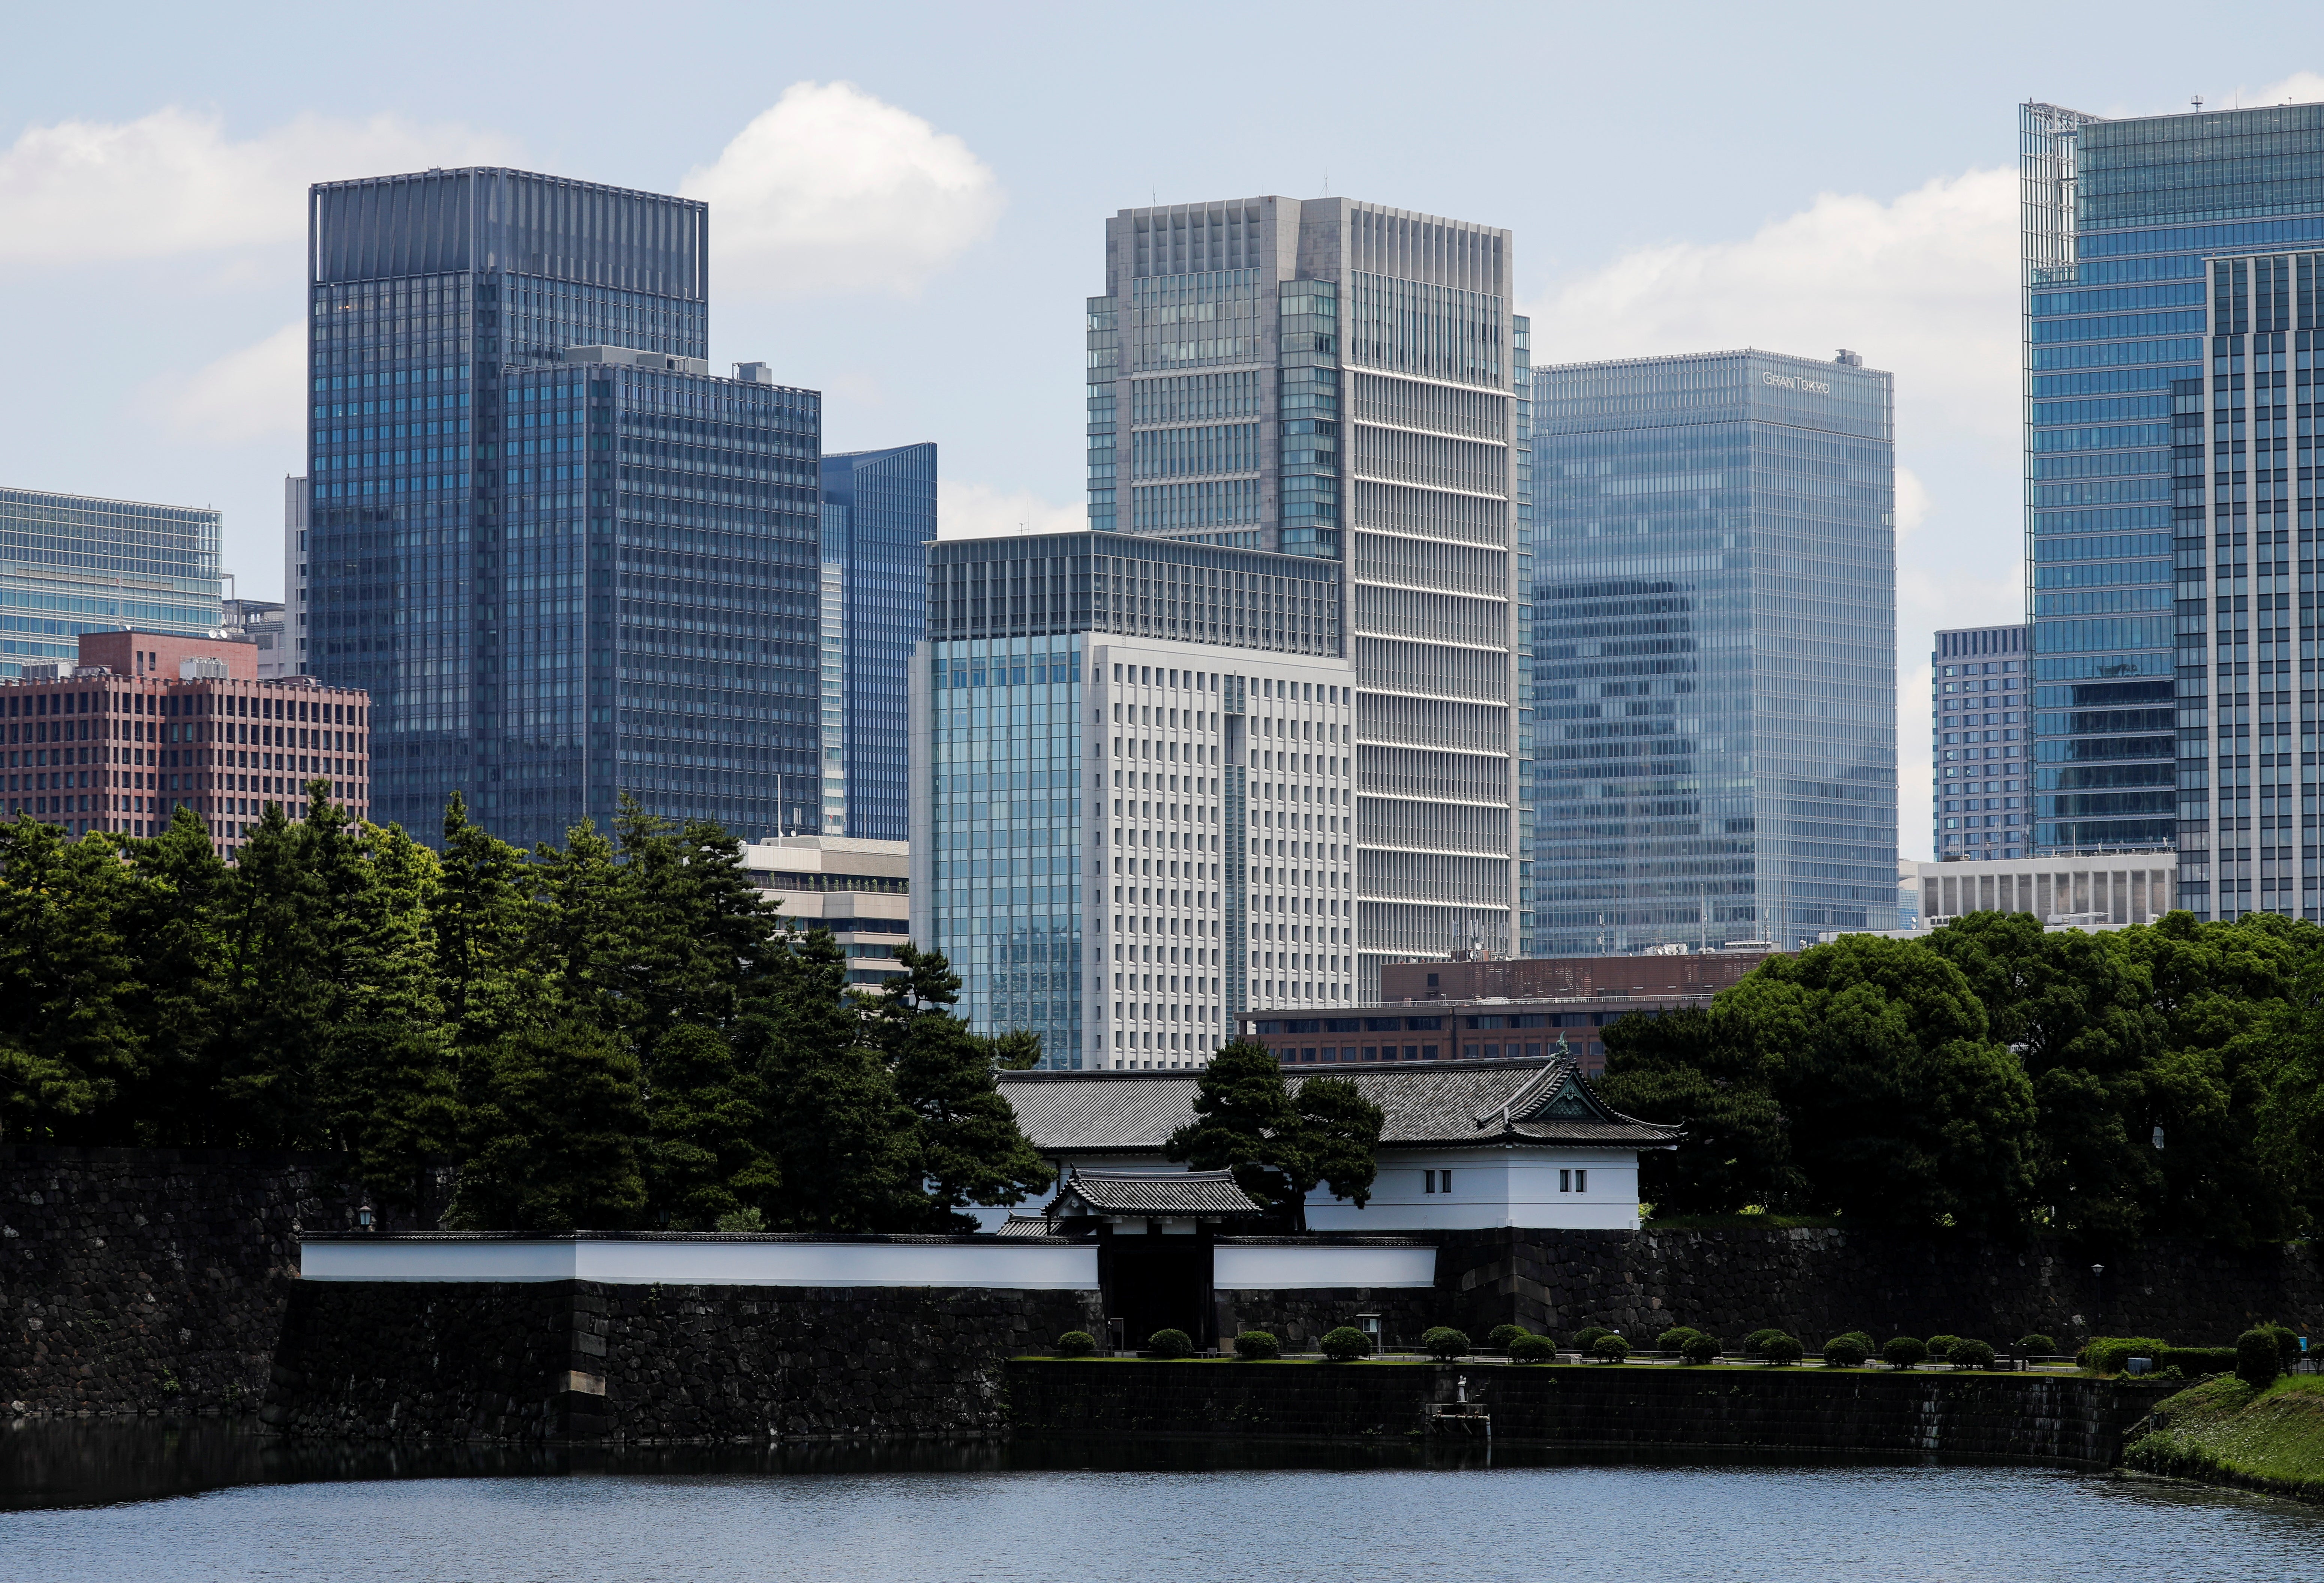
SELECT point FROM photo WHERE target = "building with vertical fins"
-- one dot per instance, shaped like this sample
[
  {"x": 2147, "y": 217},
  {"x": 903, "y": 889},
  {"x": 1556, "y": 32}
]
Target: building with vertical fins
[
  {"x": 2166, "y": 510},
  {"x": 1715, "y": 589},
  {"x": 297, "y": 501},
  {"x": 71, "y": 564},
  {"x": 879, "y": 516},
  {"x": 1980, "y": 741},
  {"x": 564, "y": 559},
  {"x": 1342, "y": 383}
]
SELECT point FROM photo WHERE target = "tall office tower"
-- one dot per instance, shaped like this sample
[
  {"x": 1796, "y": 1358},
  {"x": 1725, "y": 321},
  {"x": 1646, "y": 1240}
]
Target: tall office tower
[
  {"x": 1978, "y": 732},
  {"x": 564, "y": 560},
  {"x": 878, "y": 515},
  {"x": 2124, "y": 223},
  {"x": 296, "y": 501},
  {"x": 1133, "y": 791},
  {"x": 1335, "y": 380},
  {"x": 1715, "y": 584},
  {"x": 72, "y": 563}
]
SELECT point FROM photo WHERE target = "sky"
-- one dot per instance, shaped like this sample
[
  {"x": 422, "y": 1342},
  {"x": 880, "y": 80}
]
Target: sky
[{"x": 907, "y": 205}]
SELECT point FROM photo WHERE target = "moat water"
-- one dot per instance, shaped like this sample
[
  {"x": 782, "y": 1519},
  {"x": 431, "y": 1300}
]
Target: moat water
[{"x": 149, "y": 1503}]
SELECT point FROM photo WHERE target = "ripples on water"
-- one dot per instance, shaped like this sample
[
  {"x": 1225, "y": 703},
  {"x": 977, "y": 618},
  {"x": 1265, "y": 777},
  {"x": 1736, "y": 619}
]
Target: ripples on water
[{"x": 124, "y": 1504}]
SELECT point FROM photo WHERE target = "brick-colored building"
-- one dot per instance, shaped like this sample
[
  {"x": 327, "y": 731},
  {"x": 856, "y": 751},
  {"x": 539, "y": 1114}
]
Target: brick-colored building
[{"x": 149, "y": 720}]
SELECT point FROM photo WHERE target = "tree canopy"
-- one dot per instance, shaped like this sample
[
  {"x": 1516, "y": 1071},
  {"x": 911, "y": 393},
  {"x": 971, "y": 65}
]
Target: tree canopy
[
  {"x": 1281, "y": 1139},
  {"x": 618, "y": 1032}
]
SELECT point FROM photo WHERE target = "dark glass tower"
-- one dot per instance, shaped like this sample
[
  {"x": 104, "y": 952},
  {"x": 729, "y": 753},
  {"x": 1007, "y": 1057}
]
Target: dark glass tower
[
  {"x": 1715, "y": 669},
  {"x": 1978, "y": 728},
  {"x": 2128, "y": 513},
  {"x": 878, "y": 515},
  {"x": 552, "y": 577}
]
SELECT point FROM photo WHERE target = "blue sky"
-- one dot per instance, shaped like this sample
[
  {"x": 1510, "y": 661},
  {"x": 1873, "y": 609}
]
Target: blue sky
[{"x": 907, "y": 203}]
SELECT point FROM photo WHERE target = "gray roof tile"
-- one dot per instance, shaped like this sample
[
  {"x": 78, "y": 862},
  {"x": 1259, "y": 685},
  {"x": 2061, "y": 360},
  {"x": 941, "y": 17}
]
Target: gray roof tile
[{"x": 1205, "y": 1194}]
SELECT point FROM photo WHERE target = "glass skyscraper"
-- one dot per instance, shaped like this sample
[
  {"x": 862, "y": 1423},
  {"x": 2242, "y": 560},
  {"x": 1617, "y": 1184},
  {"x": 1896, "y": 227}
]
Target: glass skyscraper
[
  {"x": 564, "y": 561},
  {"x": 2147, "y": 469},
  {"x": 71, "y": 564},
  {"x": 1335, "y": 380},
  {"x": 1979, "y": 733},
  {"x": 1133, "y": 803},
  {"x": 878, "y": 515},
  {"x": 1715, "y": 657}
]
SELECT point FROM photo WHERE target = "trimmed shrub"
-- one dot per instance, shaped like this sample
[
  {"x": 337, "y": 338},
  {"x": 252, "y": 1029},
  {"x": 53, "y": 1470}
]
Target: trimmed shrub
[
  {"x": 1782, "y": 1350},
  {"x": 1609, "y": 1348},
  {"x": 1169, "y": 1343},
  {"x": 1347, "y": 1344},
  {"x": 1587, "y": 1336},
  {"x": 2112, "y": 1354},
  {"x": 1075, "y": 1344},
  {"x": 1526, "y": 1348},
  {"x": 1700, "y": 1349},
  {"x": 1941, "y": 1348},
  {"x": 1863, "y": 1338},
  {"x": 2287, "y": 1342},
  {"x": 1444, "y": 1343},
  {"x": 2196, "y": 1361},
  {"x": 1254, "y": 1345},
  {"x": 2258, "y": 1359},
  {"x": 1971, "y": 1354},
  {"x": 1499, "y": 1337},
  {"x": 2037, "y": 1345},
  {"x": 1845, "y": 1352},
  {"x": 1904, "y": 1351},
  {"x": 1756, "y": 1340},
  {"x": 1675, "y": 1338}
]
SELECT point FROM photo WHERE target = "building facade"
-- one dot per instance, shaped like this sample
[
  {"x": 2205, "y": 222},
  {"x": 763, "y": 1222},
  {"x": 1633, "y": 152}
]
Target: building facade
[
  {"x": 1715, "y": 665},
  {"x": 142, "y": 724},
  {"x": 878, "y": 515},
  {"x": 1980, "y": 736},
  {"x": 1133, "y": 789},
  {"x": 2078, "y": 891},
  {"x": 298, "y": 500},
  {"x": 71, "y": 564},
  {"x": 564, "y": 559},
  {"x": 262, "y": 622},
  {"x": 856, "y": 888},
  {"x": 1338, "y": 380},
  {"x": 2133, "y": 498}
]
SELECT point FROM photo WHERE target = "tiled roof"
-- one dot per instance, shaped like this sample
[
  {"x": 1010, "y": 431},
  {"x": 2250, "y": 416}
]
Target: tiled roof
[
  {"x": 1204, "y": 1194},
  {"x": 1422, "y": 1103},
  {"x": 1022, "y": 1226}
]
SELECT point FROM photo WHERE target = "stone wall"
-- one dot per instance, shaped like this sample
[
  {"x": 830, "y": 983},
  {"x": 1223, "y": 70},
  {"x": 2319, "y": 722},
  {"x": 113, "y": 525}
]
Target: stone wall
[
  {"x": 1815, "y": 1284},
  {"x": 138, "y": 1279},
  {"x": 1299, "y": 1319},
  {"x": 1867, "y": 1412},
  {"x": 577, "y": 1360}
]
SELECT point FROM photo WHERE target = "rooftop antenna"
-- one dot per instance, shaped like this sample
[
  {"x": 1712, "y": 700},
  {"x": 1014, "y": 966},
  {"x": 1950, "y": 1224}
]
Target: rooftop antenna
[{"x": 2198, "y": 102}]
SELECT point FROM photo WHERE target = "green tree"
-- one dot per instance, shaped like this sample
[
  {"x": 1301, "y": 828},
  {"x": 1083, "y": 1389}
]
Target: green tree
[
  {"x": 1901, "y": 1108},
  {"x": 483, "y": 928},
  {"x": 704, "y": 1162},
  {"x": 1735, "y": 1152},
  {"x": 559, "y": 1139},
  {"x": 1279, "y": 1147},
  {"x": 175, "y": 888},
  {"x": 274, "y": 1016},
  {"x": 968, "y": 1147},
  {"x": 68, "y": 1043}
]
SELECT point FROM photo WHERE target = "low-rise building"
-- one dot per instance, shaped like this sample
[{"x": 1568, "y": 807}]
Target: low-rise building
[{"x": 859, "y": 889}]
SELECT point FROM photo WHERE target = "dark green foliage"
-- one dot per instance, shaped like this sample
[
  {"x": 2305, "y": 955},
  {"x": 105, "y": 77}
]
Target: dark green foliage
[
  {"x": 704, "y": 1164},
  {"x": 1782, "y": 1349},
  {"x": 2287, "y": 1341},
  {"x": 1904, "y": 1351},
  {"x": 1445, "y": 1343},
  {"x": 1675, "y": 1337},
  {"x": 1257, "y": 1345},
  {"x": 1279, "y": 1141},
  {"x": 2196, "y": 1361},
  {"x": 1609, "y": 1349},
  {"x": 1736, "y": 1151},
  {"x": 1167, "y": 1343},
  {"x": 2037, "y": 1345},
  {"x": 1075, "y": 1344},
  {"x": 2112, "y": 1354},
  {"x": 2258, "y": 1358},
  {"x": 1757, "y": 1340},
  {"x": 1346, "y": 1344},
  {"x": 1941, "y": 1346},
  {"x": 1587, "y": 1336},
  {"x": 1845, "y": 1352},
  {"x": 559, "y": 1134},
  {"x": 1499, "y": 1337},
  {"x": 1971, "y": 1354},
  {"x": 1530, "y": 1348},
  {"x": 68, "y": 1043},
  {"x": 1862, "y": 1338},
  {"x": 1700, "y": 1349}
]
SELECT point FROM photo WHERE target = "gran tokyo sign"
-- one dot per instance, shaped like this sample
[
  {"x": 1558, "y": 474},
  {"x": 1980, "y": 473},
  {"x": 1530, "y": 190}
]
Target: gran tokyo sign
[{"x": 1792, "y": 381}]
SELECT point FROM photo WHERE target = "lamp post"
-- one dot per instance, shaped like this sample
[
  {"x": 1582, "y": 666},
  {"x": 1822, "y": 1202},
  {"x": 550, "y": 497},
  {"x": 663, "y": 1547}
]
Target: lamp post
[
  {"x": 2097, "y": 1283},
  {"x": 363, "y": 1215}
]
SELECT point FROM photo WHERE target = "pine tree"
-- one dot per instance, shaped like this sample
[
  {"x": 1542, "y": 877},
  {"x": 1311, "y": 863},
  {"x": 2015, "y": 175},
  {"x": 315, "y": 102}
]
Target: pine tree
[
  {"x": 176, "y": 886},
  {"x": 68, "y": 1043},
  {"x": 556, "y": 1144},
  {"x": 482, "y": 925},
  {"x": 274, "y": 1015},
  {"x": 704, "y": 1162},
  {"x": 1280, "y": 1145}
]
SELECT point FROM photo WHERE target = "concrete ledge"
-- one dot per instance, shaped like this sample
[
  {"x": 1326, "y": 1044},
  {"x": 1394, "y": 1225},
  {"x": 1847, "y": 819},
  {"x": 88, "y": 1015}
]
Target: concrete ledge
[
  {"x": 1273, "y": 1266},
  {"x": 704, "y": 1260}
]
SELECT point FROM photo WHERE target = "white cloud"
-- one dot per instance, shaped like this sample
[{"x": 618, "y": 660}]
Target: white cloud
[
  {"x": 833, "y": 190},
  {"x": 2301, "y": 88},
  {"x": 1924, "y": 285},
  {"x": 979, "y": 510},
  {"x": 251, "y": 394},
  {"x": 173, "y": 181}
]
